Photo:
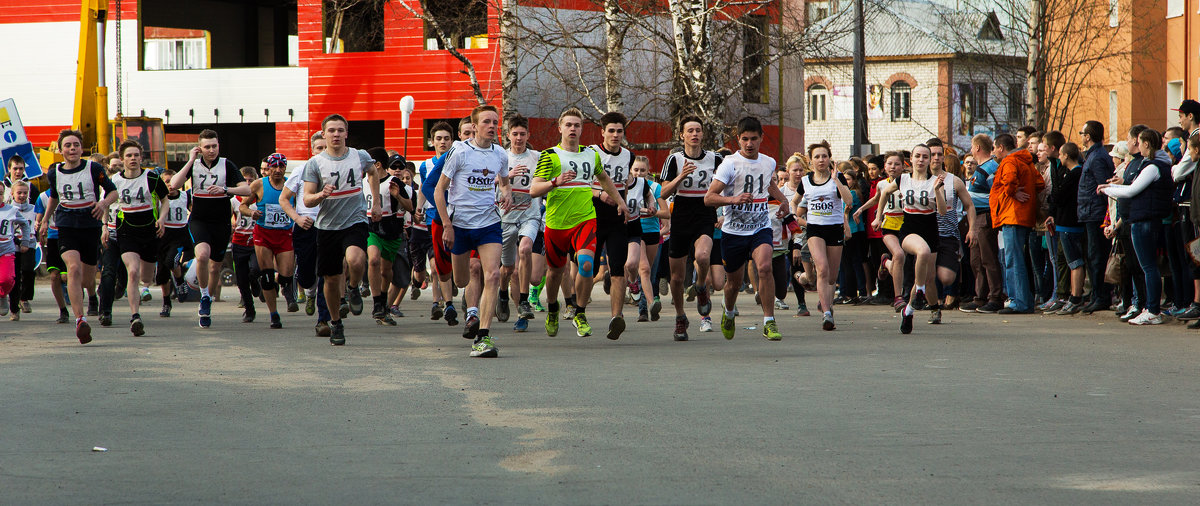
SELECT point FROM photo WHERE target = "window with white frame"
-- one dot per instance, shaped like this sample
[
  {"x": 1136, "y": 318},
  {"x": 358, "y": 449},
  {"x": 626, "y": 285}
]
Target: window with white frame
[
  {"x": 175, "y": 54},
  {"x": 1175, "y": 8},
  {"x": 901, "y": 101},
  {"x": 818, "y": 95}
]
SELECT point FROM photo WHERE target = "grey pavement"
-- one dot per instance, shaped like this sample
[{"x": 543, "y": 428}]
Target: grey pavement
[{"x": 983, "y": 409}]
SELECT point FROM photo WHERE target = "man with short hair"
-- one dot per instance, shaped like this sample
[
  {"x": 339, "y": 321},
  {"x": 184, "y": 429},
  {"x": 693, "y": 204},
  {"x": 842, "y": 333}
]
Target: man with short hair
[
  {"x": 687, "y": 175},
  {"x": 304, "y": 240},
  {"x": 333, "y": 180},
  {"x": 1097, "y": 169},
  {"x": 985, "y": 264},
  {"x": 1014, "y": 210},
  {"x": 949, "y": 247},
  {"x": 612, "y": 233},
  {"x": 385, "y": 239},
  {"x": 440, "y": 136},
  {"x": 272, "y": 234},
  {"x": 473, "y": 173},
  {"x": 213, "y": 180},
  {"x": 1024, "y": 136},
  {"x": 564, "y": 175},
  {"x": 521, "y": 259}
]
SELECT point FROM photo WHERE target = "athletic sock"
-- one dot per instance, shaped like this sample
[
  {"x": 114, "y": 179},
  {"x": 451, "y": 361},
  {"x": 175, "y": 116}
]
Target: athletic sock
[
  {"x": 204, "y": 292},
  {"x": 473, "y": 311},
  {"x": 481, "y": 334},
  {"x": 729, "y": 314},
  {"x": 1079, "y": 299},
  {"x": 524, "y": 296},
  {"x": 552, "y": 306},
  {"x": 768, "y": 319},
  {"x": 503, "y": 294},
  {"x": 380, "y": 300},
  {"x": 919, "y": 288},
  {"x": 908, "y": 310},
  {"x": 570, "y": 300}
]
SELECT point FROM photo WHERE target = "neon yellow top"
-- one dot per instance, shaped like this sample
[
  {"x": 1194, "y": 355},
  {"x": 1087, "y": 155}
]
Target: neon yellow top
[{"x": 569, "y": 204}]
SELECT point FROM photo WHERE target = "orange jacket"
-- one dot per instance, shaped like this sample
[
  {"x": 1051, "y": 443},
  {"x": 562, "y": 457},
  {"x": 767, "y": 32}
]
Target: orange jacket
[{"x": 1016, "y": 173}]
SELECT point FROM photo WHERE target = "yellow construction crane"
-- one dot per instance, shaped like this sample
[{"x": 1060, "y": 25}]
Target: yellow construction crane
[{"x": 91, "y": 118}]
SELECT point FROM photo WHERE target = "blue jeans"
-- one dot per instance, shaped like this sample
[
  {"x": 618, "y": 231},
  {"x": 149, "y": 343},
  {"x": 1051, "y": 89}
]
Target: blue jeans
[
  {"x": 1016, "y": 272},
  {"x": 1145, "y": 245}
]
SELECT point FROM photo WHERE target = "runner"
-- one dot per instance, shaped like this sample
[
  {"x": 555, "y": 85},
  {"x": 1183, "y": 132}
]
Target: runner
[
  {"x": 213, "y": 180},
  {"x": 919, "y": 233},
  {"x": 142, "y": 196},
  {"x": 113, "y": 275},
  {"x": 304, "y": 240},
  {"x": 272, "y": 235},
  {"x": 471, "y": 176},
  {"x": 332, "y": 180},
  {"x": 245, "y": 262},
  {"x": 385, "y": 238},
  {"x": 430, "y": 172},
  {"x": 687, "y": 175},
  {"x": 523, "y": 223},
  {"x": 654, "y": 209},
  {"x": 47, "y": 233},
  {"x": 16, "y": 236},
  {"x": 174, "y": 247},
  {"x": 949, "y": 250},
  {"x": 76, "y": 184},
  {"x": 565, "y": 174},
  {"x": 744, "y": 181},
  {"x": 616, "y": 235},
  {"x": 893, "y": 218},
  {"x": 823, "y": 206}
]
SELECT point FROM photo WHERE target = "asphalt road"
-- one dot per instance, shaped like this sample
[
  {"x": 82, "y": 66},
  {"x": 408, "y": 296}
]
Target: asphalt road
[{"x": 983, "y": 409}]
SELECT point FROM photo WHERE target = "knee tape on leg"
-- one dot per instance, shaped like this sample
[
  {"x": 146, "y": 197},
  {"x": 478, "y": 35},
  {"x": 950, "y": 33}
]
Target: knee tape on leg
[
  {"x": 266, "y": 280},
  {"x": 585, "y": 260}
]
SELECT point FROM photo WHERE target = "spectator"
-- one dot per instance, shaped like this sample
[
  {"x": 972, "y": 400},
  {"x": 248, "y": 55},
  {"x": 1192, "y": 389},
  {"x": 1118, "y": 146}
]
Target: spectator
[
  {"x": 1097, "y": 169},
  {"x": 1014, "y": 211},
  {"x": 989, "y": 291},
  {"x": 1063, "y": 223}
]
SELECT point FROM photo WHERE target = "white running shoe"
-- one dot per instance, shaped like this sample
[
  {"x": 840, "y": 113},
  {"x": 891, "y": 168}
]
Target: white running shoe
[
  {"x": 779, "y": 304},
  {"x": 1147, "y": 318},
  {"x": 706, "y": 324}
]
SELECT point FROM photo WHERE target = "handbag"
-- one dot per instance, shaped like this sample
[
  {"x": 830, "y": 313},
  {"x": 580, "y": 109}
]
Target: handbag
[{"x": 1115, "y": 268}]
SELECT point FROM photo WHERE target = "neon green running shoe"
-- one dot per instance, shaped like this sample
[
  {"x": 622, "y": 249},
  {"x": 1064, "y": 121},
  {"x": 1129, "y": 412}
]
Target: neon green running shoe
[
  {"x": 535, "y": 299},
  {"x": 485, "y": 348},
  {"x": 727, "y": 326},
  {"x": 552, "y": 323},
  {"x": 771, "y": 331},
  {"x": 581, "y": 325}
]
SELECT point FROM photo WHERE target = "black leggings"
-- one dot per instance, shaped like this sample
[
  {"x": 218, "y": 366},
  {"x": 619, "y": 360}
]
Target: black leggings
[
  {"x": 781, "y": 273},
  {"x": 245, "y": 270},
  {"x": 113, "y": 276},
  {"x": 23, "y": 288}
]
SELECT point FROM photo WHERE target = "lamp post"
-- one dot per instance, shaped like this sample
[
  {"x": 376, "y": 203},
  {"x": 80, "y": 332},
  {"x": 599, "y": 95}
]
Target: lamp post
[
  {"x": 406, "y": 108},
  {"x": 860, "y": 147}
]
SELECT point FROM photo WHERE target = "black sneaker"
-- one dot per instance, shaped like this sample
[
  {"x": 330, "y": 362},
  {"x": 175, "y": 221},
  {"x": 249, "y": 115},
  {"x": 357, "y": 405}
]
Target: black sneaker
[
  {"x": 63, "y": 316},
  {"x": 502, "y": 311},
  {"x": 337, "y": 335},
  {"x": 344, "y": 309},
  {"x": 969, "y": 307},
  {"x": 906, "y": 323},
  {"x": 356, "y": 301},
  {"x": 323, "y": 329},
  {"x": 703, "y": 301},
  {"x": 377, "y": 311},
  {"x": 681, "y": 326},
  {"x": 1095, "y": 305},
  {"x": 276, "y": 323},
  {"x": 615, "y": 327},
  {"x": 1009, "y": 310},
  {"x": 451, "y": 316},
  {"x": 471, "y": 328},
  {"x": 166, "y": 310},
  {"x": 989, "y": 308},
  {"x": 1191, "y": 313},
  {"x": 248, "y": 315},
  {"x": 918, "y": 301},
  {"x": 525, "y": 310},
  {"x": 135, "y": 325},
  {"x": 435, "y": 314},
  {"x": 106, "y": 320},
  {"x": 93, "y": 306}
]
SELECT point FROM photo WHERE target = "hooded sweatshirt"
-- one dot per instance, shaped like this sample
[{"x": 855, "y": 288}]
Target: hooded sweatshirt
[{"x": 1016, "y": 173}]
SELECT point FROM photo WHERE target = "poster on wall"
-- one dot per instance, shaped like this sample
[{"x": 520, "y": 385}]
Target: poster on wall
[
  {"x": 843, "y": 102},
  {"x": 13, "y": 140},
  {"x": 875, "y": 102}
]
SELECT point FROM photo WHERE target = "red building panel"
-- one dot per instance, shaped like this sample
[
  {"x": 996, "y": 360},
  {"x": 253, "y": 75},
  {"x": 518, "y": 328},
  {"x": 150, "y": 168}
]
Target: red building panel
[
  {"x": 54, "y": 11},
  {"x": 291, "y": 139}
]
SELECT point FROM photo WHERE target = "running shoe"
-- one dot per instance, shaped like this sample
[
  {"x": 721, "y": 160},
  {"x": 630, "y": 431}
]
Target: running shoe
[
  {"x": 310, "y": 305},
  {"x": 919, "y": 302},
  {"x": 664, "y": 285},
  {"x": 935, "y": 315},
  {"x": 356, "y": 301},
  {"x": 484, "y": 348},
  {"x": 135, "y": 325},
  {"x": 655, "y": 309},
  {"x": 26, "y": 307},
  {"x": 166, "y": 309},
  {"x": 1194, "y": 325},
  {"x": 83, "y": 331},
  {"x": 524, "y": 310},
  {"x": 643, "y": 316},
  {"x": 552, "y": 323},
  {"x": 93, "y": 306},
  {"x": 386, "y": 320},
  {"x": 3, "y": 305},
  {"x": 681, "y": 326},
  {"x": 969, "y": 307},
  {"x": 771, "y": 331},
  {"x": 1132, "y": 313},
  {"x": 377, "y": 310},
  {"x": 292, "y": 306},
  {"x": 16, "y": 316},
  {"x": 607, "y": 283},
  {"x": 569, "y": 312},
  {"x": 883, "y": 270},
  {"x": 1147, "y": 318},
  {"x": 276, "y": 322},
  {"x": 395, "y": 311},
  {"x": 435, "y": 313},
  {"x": 502, "y": 312},
  {"x": 181, "y": 292},
  {"x": 205, "y": 312},
  {"x": 615, "y": 327},
  {"x": 323, "y": 329},
  {"x": 705, "y": 324},
  {"x": 582, "y": 329},
  {"x": 1192, "y": 312},
  {"x": 536, "y": 304},
  {"x": 802, "y": 310},
  {"x": 249, "y": 314},
  {"x": 471, "y": 328},
  {"x": 898, "y": 303},
  {"x": 146, "y": 294},
  {"x": 451, "y": 315},
  {"x": 344, "y": 309},
  {"x": 522, "y": 325},
  {"x": 635, "y": 290},
  {"x": 338, "y": 335},
  {"x": 906, "y": 323},
  {"x": 781, "y": 305},
  {"x": 1069, "y": 309},
  {"x": 690, "y": 293},
  {"x": 415, "y": 293},
  {"x": 989, "y": 308},
  {"x": 302, "y": 296},
  {"x": 727, "y": 325},
  {"x": 106, "y": 320},
  {"x": 827, "y": 321},
  {"x": 63, "y": 315}
]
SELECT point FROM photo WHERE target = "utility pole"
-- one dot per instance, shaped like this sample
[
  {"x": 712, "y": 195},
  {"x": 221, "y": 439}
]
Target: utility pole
[{"x": 860, "y": 147}]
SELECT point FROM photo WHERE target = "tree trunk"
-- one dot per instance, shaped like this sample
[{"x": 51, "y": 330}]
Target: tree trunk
[
  {"x": 1034, "y": 67},
  {"x": 508, "y": 57},
  {"x": 614, "y": 36},
  {"x": 690, "y": 20}
]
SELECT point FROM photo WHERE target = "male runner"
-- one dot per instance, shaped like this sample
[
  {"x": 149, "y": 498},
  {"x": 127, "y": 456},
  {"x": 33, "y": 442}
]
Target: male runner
[
  {"x": 304, "y": 240},
  {"x": 174, "y": 242},
  {"x": 140, "y": 224},
  {"x": 333, "y": 180},
  {"x": 430, "y": 173},
  {"x": 565, "y": 174},
  {"x": 523, "y": 224},
  {"x": 687, "y": 175},
  {"x": 214, "y": 179},
  {"x": 612, "y": 232},
  {"x": 76, "y": 184},
  {"x": 385, "y": 237},
  {"x": 272, "y": 234},
  {"x": 472, "y": 174},
  {"x": 744, "y": 181}
]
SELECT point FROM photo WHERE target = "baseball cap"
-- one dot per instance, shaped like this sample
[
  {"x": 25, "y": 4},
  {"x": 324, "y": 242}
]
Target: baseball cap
[
  {"x": 1189, "y": 106},
  {"x": 396, "y": 161}
]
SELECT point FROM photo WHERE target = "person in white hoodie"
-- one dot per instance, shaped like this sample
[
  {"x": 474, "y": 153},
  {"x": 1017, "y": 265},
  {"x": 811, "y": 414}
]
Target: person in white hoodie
[{"x": 16, "y": 234}]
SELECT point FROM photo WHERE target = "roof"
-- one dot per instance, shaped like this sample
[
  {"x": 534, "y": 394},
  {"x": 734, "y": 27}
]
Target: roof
[{"x": 915, "y": 28}]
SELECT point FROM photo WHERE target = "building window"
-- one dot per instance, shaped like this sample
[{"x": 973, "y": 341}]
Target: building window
[
  {"x": 1175, "y": 8},
  {"x": 175, "y": 54},
  {"x": 972, "y": 106},
  {"x": 754, "y": 50},
  {"x": 464, "y": 23},
  {"x": 1016, "y": 103},
  {"x": 817, "y": 96},
  {"x": 1113, "y": 16},
  {"x": 353, "y": 26},
  {"x": 901, "y": 101},
  {"x": 1113, "y": 117},
  {"x": 819, "y": 10}
]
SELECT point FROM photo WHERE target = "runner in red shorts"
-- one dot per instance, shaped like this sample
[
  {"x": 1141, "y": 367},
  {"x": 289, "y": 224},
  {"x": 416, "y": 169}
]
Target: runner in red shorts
[
  {"x": 272, "y": 236},
  {"x": 564, "y": 175}
]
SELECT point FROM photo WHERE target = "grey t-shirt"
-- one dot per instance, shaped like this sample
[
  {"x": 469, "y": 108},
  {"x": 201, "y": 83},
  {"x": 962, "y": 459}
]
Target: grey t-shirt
[{"x": 346, "y": 206}]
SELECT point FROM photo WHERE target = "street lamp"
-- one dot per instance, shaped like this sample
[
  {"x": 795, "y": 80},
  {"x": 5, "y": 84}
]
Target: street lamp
[{"x": 406, "y": 108}]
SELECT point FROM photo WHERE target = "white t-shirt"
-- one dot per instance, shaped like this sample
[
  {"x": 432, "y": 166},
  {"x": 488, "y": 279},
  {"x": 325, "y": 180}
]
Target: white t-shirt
[
  {"x": 742, "y": 175},
  {"x": 295, "y": 183},
  {"x": 524, "y": 207},
  {"x": 473, "y": 171}
]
